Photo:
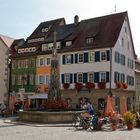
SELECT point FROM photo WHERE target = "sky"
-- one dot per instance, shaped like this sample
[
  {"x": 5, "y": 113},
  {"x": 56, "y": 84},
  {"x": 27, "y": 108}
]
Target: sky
[{"x": 19, "y": 18}]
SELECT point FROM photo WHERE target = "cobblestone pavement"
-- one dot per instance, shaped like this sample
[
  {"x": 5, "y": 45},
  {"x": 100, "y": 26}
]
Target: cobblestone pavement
[{"x": 16, "y": 131}]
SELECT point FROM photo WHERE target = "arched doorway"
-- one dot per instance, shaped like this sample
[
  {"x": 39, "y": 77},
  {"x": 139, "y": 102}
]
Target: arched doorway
[{"x": 101, "y": 104}]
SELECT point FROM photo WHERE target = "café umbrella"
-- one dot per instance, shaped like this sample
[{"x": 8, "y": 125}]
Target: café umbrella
[
  {"x": 109, "y": 106},
  {"x": 123, "y": 106}
]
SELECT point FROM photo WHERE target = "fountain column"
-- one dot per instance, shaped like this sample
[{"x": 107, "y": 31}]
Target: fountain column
[{"x": 54, "y": 87}]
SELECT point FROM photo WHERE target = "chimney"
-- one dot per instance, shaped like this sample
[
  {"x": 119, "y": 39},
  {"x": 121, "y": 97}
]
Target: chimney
[{"x": 76, "y": 20}]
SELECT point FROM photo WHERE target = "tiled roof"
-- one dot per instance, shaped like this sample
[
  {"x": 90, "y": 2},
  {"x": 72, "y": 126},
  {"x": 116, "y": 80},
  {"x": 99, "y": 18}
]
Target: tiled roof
[
  {"x": 16, "y": 44},
  {"x": 105, "y": 30},
  {"x": 51, "y": 25}
]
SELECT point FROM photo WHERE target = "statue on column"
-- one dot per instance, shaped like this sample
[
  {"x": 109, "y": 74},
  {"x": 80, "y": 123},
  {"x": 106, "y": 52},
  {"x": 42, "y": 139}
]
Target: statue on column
[{"x": 54, "y": 87}]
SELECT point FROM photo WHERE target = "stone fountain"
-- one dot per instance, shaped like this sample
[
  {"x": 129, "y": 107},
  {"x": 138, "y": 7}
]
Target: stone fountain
[{"x": 54, "y": 94}]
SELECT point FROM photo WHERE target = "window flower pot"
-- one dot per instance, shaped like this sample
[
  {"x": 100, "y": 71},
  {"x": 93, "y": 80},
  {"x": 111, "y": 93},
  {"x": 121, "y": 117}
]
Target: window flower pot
[
  {"x": 78, "y": 86},
  {"x": 119, "y": 85},
  {"x": 90, "y": 85},
  {"x": 101, "y": 85},
  {"x": 124, "y": 85},
  {"x": 66, "y": 85},
  {"x": 114, "y": 127}
]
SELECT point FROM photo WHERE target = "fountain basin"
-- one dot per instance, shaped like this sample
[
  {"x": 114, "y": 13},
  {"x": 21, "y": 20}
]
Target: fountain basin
[{"x": 48, "y": 117}]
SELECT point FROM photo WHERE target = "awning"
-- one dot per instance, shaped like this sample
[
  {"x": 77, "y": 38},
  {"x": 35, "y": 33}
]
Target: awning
[{"x": 38, "y": 96}]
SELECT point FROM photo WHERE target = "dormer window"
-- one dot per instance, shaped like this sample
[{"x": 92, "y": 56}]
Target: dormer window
[
  {"x": 58, "y": 45},
  {"x": 89, "y": 40},
  {"x": 68, "y": 43},
  {"x": 45, "y": 30},
  {"x": 50, "y": 46}
]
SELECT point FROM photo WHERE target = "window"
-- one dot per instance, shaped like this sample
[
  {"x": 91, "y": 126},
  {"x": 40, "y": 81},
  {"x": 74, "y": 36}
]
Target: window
[
  {"x": 122, "y": 43},
  {"x": 25, "y": 63},
  {"x": 117, "y": 57},
  {"x": 45, "y": 30},
  {"x": 122, "y": 59},
  {"x": 102, "y": 76},
  {"x": 130, "y": 80},
  {"x": 67, "y": 78},
  {"x": 47, "y": 80},
  {"x": 80, "y": 77},
  {"x": 116, "y": 77},
  {"x": 91, "y": 56},
  {"x": 14, "y": 64},
  {"x": 80, "y": 57},
  {"x": 122, "y": 78},
  {"x": 125, "y": 29},
  {"x": 32, "y": 63},
  {"x": 130, "y": 63},
  {"x": 19, "y": 79},
  {"x": 41, "y": 79},
  {"x": 58, "y": 45},
  {"x": 41, "y": 62},
  {"x": 31, "y": 79},
  {"x": 19, "y": 63},
  {"x": 68, "y": 43},
  {"x": 91, "y": 77},
  {"x": 48, "y": 62},
  {"x": 68, "y": 59},
  {"x": 103, "y": 55},
  {"x": 44, "y": 47},
  {"x": 13, "y": 79},
  {"x": 50, "y": 46},
  {"x": 89, "y": 40},
  {"x": 128, "y": 45}
]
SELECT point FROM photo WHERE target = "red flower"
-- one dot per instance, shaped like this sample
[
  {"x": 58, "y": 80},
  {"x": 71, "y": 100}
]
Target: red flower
[
  {"x": 124, "y": 85},
  {"x": 66, "y": 85},
  {"x": 78, "y": 86},
  {"x": 58, "y": 104},
  {"x": 90, "y": 85},
  {"x": 118, "y": 84},
  {"x": 101, "y": 85}
]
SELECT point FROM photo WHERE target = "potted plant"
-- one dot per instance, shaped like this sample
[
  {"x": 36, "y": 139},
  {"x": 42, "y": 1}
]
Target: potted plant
[
  {"x": 66, "y": 85},
  {"x": 114, "y": 120},
  {"x": 129, "y": 119}
]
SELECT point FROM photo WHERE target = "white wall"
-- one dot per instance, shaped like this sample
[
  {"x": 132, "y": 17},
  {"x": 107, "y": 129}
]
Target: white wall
[
  {"x": 128, "y": 54},
  {"x": 3, "y": 73}
]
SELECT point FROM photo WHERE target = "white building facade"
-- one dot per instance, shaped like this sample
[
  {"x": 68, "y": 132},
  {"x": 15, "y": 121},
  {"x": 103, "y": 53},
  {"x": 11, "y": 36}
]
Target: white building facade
[{"x": 5, "y": 43}]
